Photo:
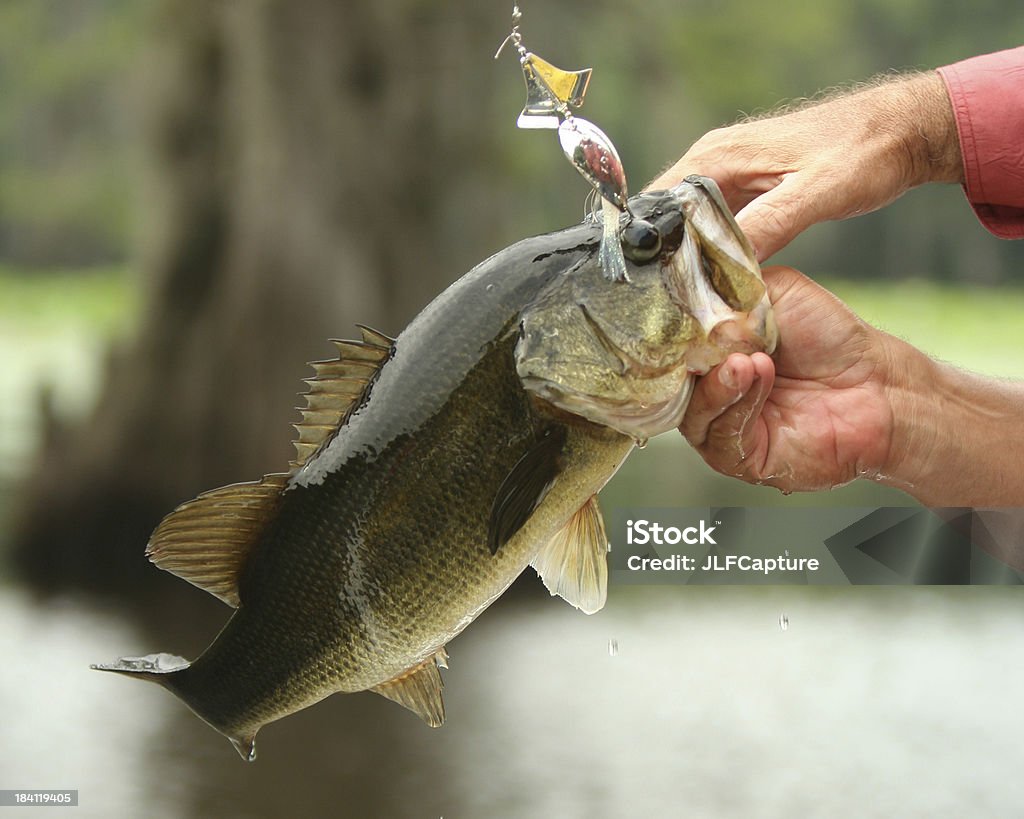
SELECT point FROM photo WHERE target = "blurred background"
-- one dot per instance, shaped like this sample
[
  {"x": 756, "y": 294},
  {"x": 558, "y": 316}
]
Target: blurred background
[{"x": 195, "y": 195}]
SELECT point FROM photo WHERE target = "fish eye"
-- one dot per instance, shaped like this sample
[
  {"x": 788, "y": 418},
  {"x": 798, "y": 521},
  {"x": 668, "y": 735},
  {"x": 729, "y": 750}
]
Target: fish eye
[
  {"x": 641, "y": 241},
  {"x": 672, "y": 226}
]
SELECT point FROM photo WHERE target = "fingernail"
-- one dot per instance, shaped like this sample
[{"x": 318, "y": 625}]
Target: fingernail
[{"x": 728, "y": 377}]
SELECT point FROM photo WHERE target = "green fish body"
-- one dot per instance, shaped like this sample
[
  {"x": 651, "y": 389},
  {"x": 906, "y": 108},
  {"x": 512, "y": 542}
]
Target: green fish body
[{"x": 434, "y": 468}]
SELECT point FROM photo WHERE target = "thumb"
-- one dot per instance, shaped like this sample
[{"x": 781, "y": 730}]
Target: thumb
[{"x": 774, "y": 219}]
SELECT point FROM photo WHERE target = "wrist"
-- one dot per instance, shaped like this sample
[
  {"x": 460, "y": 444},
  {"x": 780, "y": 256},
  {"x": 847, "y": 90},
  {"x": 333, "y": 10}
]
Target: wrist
[
  {"x": 955, "y": 435},
  {"x": 929, "y": 135},
  {"x": 912, "y": 441}
]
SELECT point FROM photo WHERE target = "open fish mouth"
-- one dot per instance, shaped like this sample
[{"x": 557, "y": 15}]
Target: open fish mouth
[
  {"x": 653, "y": 395},
  {"x": 625, "y": 354}
]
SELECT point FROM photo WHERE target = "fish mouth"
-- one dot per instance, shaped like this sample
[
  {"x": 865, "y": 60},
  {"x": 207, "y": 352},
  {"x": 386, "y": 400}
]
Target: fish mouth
[
  {"x": 640, "y": 419},
  {"x": 626, "y": 354},
  {"x": 653, "y": 395},
  {"x": 651, "y": 399}
]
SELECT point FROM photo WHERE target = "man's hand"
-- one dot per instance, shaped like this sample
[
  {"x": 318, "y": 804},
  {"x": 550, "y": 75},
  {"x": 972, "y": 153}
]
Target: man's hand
[
  {"x": 847, "y": 155},
  {"x": 843, "y": 400},
  {"x": 818, "y": 417}
]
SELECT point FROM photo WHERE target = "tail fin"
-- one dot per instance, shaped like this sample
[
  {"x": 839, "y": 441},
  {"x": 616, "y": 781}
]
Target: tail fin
[
  {"x": 167, "y": 670},
  {"x": 158, "y": 668}
]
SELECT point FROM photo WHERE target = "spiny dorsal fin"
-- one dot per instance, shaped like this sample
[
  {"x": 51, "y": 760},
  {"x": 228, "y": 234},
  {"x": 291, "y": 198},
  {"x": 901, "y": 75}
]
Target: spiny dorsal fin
[
  {"x": 419, "y": 689},
  {"x": 339, "y": 386},
  {"x": 206, "y": 540},
  {"x": 574, "y": 563}
]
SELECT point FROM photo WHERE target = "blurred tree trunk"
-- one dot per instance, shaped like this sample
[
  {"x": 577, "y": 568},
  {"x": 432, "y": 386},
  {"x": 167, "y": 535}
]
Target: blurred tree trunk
[{"x": 306, "y": 161}]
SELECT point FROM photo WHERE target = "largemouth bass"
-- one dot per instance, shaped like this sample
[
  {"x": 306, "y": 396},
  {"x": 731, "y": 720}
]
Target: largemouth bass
[{"x": 432, "y": 469}]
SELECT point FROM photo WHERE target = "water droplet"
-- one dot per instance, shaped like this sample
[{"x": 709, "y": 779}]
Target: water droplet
[
  {"x": 613, "y": 647},
  {"x": 641, "y": 443},
  {"x": 489, "y": 288},
  {"x": 783, "y": 622}
]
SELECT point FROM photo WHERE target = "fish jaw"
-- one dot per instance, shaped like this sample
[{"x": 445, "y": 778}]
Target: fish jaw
[
  {"x": 624, "y": 354},
  {"x": 639, "y": 418},
  {"x": 724, "y": 328}
]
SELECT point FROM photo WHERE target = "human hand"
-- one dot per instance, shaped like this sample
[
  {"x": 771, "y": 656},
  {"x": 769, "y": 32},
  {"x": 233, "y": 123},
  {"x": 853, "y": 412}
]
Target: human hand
[
  {"x": 817, "y": 417},
  {"x": 843, "y": 400},
  {"x": 844, "y": 156}
]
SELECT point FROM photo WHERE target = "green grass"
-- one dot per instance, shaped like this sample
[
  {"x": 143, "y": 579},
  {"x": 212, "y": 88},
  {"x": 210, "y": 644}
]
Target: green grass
[
  {"x": 55, "y": 331},
  {"x": 99, "y": 300}
]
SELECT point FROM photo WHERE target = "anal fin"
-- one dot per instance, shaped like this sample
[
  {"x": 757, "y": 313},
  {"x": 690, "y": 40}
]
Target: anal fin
[
  {"x": 574, "y": 563},
  {"x": 419, "y": 689}
]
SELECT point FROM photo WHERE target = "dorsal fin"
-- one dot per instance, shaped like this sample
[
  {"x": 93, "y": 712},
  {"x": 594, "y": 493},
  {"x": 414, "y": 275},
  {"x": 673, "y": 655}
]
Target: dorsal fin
[
  {"x": 206, "y": 540},
  {"x": 574, "y": 563},
  {"x": 339, "y": 387},
  {"x": 419, "y": 689}
]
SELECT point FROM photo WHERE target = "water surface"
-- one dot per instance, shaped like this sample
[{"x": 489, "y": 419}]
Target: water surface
[{"x": 872, "y": 702}]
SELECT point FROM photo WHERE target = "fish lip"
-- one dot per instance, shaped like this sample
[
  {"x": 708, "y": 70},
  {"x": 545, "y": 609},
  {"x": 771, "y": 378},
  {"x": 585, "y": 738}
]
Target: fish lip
[{"x": 630, "y": 417}]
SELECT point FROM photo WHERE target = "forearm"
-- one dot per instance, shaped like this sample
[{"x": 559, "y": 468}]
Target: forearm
[{"x": 957, "y": 438}]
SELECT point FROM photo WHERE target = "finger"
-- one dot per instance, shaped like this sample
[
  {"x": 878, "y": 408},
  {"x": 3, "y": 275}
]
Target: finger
[
  {"x": 736, "y": 444},
  {"x": 666, "y": 179},
  {"x": 774, "y": 219},
  {"x": 713, "y": 394},
  {"x": 780, "y": 280},
  {"x": 675, "y": 174},
  {"x": 690, "y": 165}
]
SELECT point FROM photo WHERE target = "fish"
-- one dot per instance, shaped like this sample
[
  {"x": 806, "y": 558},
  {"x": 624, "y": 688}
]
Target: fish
[{"x": 431, "y": 469}]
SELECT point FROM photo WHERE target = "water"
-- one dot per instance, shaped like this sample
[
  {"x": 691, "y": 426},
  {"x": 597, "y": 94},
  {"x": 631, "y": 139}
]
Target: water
[
  {"x": 880, "y": 692},
  {"x": 62, "y": 728}
]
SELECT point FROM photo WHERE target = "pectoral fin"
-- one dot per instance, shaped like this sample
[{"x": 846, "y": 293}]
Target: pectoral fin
[
  {"x": 574, "y": 563},
  {"x": 525, "y": 487},
  {"x": 419, "y": 689}
]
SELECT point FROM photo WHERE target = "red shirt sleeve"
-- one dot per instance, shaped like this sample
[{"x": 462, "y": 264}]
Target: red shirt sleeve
[{"x": 987, "y": 94}]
